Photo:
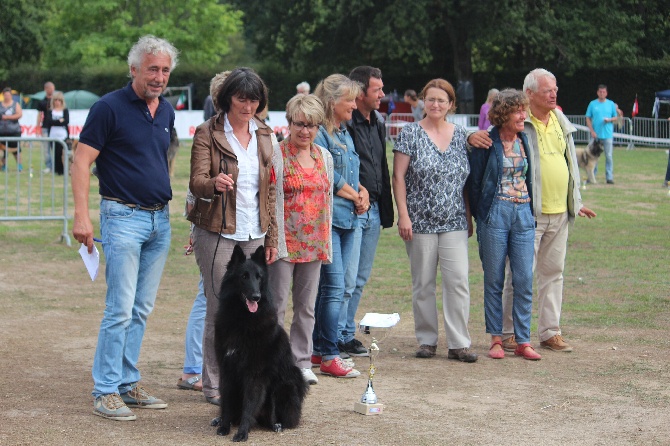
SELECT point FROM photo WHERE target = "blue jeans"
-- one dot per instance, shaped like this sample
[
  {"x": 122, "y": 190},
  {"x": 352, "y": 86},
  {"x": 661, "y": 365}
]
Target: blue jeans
[
  {"x": 136, "y": 244},
  {"x": 330, "y": 296},
  {"x": 510, "y": 231},
  {"x": 194, "y": 331},
  {"x": 608, "y": 146},
  {"x": 358, "y": 270}
]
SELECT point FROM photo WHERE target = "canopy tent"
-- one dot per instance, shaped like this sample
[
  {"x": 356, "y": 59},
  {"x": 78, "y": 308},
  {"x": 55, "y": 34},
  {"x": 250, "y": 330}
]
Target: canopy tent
[
  {"x": 80, "y": 99},
  {"x": 75, "y": 99},
  {"x": 662, "y": 97}
]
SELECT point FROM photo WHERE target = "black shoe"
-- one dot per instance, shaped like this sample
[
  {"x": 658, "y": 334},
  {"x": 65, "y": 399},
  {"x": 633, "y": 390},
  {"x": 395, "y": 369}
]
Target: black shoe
[
  {"x": 462, "y": 354},
  {"x": 610, "y": 181},
  {"x": 353, "y": 347}
]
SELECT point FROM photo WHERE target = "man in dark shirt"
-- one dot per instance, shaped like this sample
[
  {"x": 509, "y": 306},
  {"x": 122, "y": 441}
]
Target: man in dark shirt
[
  {"x": 369, "y": 134},
  {"x": 44, "y": 107},
  {"x": 127, "y": 134}
]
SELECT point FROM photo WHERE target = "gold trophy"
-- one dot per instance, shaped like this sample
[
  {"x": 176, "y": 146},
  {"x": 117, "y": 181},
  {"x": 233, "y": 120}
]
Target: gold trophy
[{"x": 368, "y": 404}]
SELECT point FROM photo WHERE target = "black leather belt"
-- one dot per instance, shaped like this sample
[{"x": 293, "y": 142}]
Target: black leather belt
[{"x": 153, "y": 207}]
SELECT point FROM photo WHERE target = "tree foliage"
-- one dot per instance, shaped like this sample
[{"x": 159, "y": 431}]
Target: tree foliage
[
  {"x": 456, "y": 36},
  {"x": 93, "y": 32},
  {"x": 20, "y": 32}
]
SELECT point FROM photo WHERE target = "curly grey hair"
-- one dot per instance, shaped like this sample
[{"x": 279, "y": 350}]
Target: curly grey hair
[{"x": 154, "y": 45}]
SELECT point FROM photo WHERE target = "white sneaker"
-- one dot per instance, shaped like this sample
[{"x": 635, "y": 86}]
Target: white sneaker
[
  {"x": 309, "y": 376},
  {"x": 47, "y": 170}
]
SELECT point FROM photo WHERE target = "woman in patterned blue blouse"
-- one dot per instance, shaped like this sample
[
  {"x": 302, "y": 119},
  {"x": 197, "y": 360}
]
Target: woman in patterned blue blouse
[{"x": 430, "y": 167}]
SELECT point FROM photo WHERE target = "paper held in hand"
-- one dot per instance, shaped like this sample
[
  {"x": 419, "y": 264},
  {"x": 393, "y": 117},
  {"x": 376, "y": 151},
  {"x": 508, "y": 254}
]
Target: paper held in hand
[{"x": 92, "y": 260}]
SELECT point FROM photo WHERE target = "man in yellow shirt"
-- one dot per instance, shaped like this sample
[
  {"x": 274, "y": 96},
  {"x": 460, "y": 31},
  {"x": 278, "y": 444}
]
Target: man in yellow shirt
[{"x": 556, "y": 202}]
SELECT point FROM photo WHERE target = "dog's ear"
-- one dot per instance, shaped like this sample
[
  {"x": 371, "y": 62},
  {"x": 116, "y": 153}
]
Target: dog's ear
[
  {"x": 259, "y": 255},
  {"x": 238, "y": 257}
]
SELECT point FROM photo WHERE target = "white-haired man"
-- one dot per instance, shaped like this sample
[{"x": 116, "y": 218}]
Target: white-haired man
[
  {"x": 127, "y": 134},
  {"x": 556, "y": 201},
  {"x": 302, "y": 88}
]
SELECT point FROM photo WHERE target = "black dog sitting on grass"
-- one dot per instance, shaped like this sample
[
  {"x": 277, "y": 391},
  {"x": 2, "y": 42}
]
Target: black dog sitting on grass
[{"x": 259, "y": 381}]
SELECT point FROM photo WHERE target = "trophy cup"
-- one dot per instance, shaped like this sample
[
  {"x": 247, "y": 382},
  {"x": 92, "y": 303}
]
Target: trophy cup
[{"x": 369, "y": 404}]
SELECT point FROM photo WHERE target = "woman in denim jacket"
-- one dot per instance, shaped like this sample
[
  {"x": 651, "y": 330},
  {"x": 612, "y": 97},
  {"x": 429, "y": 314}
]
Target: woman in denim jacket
[
  {"x": 338, "y": 95},
  {"x": 500, "y": 194}
]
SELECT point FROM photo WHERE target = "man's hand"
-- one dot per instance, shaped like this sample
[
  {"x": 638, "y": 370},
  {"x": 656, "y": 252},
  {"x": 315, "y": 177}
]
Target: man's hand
[
  {"x": 586, "y": 212},
  {"x": 480, "y": 139}
]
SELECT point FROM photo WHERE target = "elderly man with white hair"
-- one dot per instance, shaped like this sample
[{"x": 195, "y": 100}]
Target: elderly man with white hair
[{"x": 556, "y": 202}]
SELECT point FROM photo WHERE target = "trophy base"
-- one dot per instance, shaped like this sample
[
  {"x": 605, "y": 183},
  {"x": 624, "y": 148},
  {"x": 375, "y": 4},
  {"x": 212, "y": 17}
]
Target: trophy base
[{"x": 368, "y": 409}]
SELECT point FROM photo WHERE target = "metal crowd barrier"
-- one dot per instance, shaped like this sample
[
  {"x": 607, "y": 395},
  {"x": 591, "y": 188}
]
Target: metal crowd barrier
[
  {"x": 27, "y": 190},
  {"x": 628, "y": 132}
]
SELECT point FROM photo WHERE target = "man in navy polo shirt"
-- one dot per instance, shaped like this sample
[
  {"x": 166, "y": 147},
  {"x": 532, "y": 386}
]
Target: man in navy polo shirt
[{"x": 127, "y": 134}]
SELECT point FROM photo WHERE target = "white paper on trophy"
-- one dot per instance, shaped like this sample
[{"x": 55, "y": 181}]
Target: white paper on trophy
[
  {"x": 92, "y": 260},
  {"x": 379, "y": 320}
]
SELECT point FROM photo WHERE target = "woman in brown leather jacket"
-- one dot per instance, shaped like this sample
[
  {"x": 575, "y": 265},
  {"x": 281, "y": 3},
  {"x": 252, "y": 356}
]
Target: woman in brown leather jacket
[{"x": 233, "y": 179}]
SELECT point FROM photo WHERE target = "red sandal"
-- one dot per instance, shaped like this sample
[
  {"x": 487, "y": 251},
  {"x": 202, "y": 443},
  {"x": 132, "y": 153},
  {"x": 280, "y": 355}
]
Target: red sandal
[{"x": 496, "y": 354}]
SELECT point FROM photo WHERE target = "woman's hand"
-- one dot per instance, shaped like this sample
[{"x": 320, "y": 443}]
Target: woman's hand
[
  {"x": 223, "y": 182},
  {"x": 405, "y": 228},
  {"x": 363, "y": 202},
  {"x": 270, "y": 254}
]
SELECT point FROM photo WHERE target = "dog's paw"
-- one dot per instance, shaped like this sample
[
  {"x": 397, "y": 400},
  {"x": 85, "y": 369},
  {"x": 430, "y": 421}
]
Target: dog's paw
[
  {"x": 223, "y": 430},
  {"x": 241, "y": 436},
  {"x": 215, "y": 421},
  {"x": 277, "y": 427}
]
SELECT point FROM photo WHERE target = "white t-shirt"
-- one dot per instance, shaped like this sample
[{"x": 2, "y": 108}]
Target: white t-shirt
[{"x": 57, "y": 131}]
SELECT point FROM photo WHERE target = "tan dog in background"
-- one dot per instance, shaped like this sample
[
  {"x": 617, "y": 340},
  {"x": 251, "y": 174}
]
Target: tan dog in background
[{"x": 587, "y": 159}]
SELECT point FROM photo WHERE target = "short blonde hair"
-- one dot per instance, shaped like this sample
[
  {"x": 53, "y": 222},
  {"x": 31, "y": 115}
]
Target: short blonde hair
[
  {"x": 332, "y": 89},
  {"x": 504, "y": 104},
  {"x": 57, "y": 95},
  {"x": 307, "y": 104}
]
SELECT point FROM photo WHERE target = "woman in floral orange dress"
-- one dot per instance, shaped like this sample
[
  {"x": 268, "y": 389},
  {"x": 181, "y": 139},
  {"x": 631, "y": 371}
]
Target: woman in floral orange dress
[{"x": 304, "y": 219}]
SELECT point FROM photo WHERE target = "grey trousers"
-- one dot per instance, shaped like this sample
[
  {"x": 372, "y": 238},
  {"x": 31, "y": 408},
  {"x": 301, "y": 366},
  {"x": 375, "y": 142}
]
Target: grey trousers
[
  {"x": 305, "y": 286},
  {"x": 205, "y": 248},
  {"x": 449, "y": 252}
]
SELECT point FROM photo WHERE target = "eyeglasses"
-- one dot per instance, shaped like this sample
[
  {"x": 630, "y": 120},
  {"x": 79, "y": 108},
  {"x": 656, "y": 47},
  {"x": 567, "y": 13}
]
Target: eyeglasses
[
  {"x": 302, "y": 125},
  {"x": 434, "y": 100}
]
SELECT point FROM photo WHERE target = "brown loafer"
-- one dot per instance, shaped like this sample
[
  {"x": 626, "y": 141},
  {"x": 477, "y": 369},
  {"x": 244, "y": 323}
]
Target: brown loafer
[{"x": 509, "y": 344}]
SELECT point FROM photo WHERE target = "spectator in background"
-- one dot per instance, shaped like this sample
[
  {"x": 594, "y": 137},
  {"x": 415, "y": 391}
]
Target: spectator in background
[
  {"x": 302, "y": 88},
  {"x": 43, "y": 107},
  {"x": 600, "y": 116},
  {"x": 57, "y": 120},
  {"x": 208, "y": 108},
  {"x": 484, "y": 122},
  {"x": 10, "y": 113},
  {"x": 417, "y": 104}
]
